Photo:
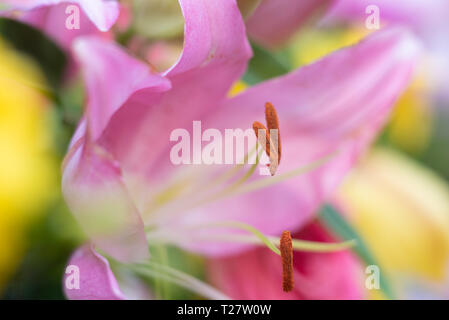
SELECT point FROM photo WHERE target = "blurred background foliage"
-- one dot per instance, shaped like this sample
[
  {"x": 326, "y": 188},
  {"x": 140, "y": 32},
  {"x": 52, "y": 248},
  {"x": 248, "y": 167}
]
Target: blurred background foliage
[{"x": 37, "y": 232}]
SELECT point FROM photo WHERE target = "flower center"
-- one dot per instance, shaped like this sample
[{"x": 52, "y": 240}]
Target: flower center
[{"x": 182, "y": 197}]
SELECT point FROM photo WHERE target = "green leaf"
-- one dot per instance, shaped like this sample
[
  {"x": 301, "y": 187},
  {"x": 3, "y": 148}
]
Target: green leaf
[
  {"x": 265, "y": 65},
  {"x": 335, "y": 222},
  {"x": 35, "y": 44}
]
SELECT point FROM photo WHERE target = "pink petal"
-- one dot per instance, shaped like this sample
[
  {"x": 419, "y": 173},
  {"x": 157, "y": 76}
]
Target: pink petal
[
  {"x": 428, "y": 19},
  {"x": 274, "y": 21},
  {"x": 413, "y": 13},
  {"x": 214, "y": 37},
  {"x": 111, "y": 78},
  {"x": 51, "y": 20},
  {"x": 50, "y": 16},
  {"x": 337, "y": 94},
  {"x": 93, "y": 188},
  {"x": 96, "y": 280},
  {"x": 215, "y": 55},
  {"x": 337, "y": 104},
  {"x": 103, "y": 13},
  {"x": 257, "y": 274}
]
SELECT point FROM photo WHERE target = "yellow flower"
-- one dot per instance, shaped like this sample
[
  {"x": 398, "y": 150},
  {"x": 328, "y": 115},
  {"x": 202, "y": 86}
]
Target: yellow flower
[
  {"x": 410, "y": 127},
  {"x": 401, "y": 209},
  {"x": 27, "y": 168}
]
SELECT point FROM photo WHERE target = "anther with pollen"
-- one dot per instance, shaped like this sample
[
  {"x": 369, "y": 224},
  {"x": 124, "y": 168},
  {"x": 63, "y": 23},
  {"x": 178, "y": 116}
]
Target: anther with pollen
[
  {"x": 272, "y": 145},
  {"x": 286, "y": 249}
]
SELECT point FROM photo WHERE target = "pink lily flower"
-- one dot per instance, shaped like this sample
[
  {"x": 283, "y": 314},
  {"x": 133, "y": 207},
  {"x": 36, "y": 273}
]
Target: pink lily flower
[
  {"x": 51, "y": 16},
  {"x": 257, "y": 274},
  {"x": 274, "y": 21},
  {"x": 119, "y": 181}
]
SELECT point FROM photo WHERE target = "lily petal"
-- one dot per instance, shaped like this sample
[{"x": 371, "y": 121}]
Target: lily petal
[
  {"x": 96, "y": 17},
  {"x": 90, "y": 168},
  {"x": 96, "y": 280},
  {"x": 102, "y": 13},
  {"x": 344, "y": 88},
  {"x": 111, "y": 78},
  {"x": 215, "y": 55},
  {"x": 274, "y": 21},
  {"x": 93, "y": 188},
  {"x": 427, "y": 19},
  {"x": 414, "y": 13}
]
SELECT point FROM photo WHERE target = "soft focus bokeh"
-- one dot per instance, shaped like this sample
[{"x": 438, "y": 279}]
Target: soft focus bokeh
[{"x": 396, "y": 199}]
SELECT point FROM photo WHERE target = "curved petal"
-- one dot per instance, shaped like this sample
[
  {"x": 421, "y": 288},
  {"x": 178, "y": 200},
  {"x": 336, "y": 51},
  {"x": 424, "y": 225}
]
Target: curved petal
[
  {"x": 337, "y": 94},
  {"x": 96, "y": 280},
  {"x": 214, "y": 36},
  {"x": 111, "y": 78},
  {"x": 257, "y": 274},
  {"x": 93, "y": 188},
  {"x": 110, "y": 217},
  {"x": 102, "y": 13},
  {"x": 51, "y": 20},
  {"x": 336, "y": 104},
  {"x": 215, "y": 55},
  {"x": 51, "y": 16},
  {"x": 427, "y": 19},
  {"x": 274, "y": 21}
]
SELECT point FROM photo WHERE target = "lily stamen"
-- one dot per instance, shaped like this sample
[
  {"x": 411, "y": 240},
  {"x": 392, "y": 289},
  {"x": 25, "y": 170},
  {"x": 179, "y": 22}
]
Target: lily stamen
[
  {"x": 258, "y": 129},
  {"x": 287, "y": 261},
  {"x": 271, "y": 117},
  {"x": 272, "y": 144}
]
